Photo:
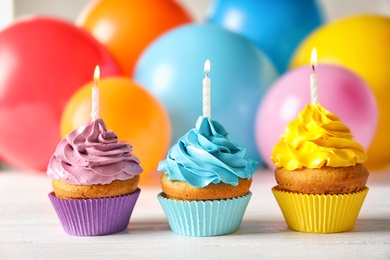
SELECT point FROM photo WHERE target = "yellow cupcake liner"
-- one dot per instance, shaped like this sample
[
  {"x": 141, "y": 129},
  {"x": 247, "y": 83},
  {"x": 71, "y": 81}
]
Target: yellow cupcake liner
[{"x": 320, "y": 213}]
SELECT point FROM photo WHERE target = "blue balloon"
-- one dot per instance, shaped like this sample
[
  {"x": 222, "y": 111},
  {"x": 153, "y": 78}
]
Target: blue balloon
[
  {"x": 171, "y": 68},
  {"x": 277, "y": 27}
]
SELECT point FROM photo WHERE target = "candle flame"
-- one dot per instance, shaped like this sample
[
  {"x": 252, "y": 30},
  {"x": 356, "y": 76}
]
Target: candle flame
[
  {"x": 207, "y": 66},
  {"x": 96, "y": 74},
  {"x": 313, "y": 58}
]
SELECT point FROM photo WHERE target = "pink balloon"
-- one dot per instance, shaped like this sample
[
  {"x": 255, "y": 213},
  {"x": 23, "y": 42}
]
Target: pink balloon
[{"x": 341, "y": 91}]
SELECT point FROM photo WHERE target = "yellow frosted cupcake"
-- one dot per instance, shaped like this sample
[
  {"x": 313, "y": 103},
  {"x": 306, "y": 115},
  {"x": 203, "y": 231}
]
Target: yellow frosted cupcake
[{"x": 320, "y": 173}]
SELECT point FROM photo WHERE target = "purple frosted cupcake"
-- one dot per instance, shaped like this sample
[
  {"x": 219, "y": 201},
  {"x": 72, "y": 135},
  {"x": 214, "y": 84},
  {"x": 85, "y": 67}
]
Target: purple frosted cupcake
[{"x": 95, "y": 181}]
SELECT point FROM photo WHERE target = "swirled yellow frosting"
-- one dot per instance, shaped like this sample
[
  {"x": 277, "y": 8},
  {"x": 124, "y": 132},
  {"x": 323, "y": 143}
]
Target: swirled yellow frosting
[{"x": 317, "y": 138}]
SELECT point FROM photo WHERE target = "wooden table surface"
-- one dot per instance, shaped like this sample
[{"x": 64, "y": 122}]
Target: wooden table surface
[{"x": 30, "y": 229}]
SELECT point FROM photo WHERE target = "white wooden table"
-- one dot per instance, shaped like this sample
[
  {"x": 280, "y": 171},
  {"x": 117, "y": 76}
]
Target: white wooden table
[{"x": 30, "y": 229}]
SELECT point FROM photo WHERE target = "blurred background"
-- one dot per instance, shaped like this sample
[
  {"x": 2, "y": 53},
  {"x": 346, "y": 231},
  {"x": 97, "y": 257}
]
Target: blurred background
[
  {"x": 70, "y": 9},
  {"x": 253, "y": 79}
]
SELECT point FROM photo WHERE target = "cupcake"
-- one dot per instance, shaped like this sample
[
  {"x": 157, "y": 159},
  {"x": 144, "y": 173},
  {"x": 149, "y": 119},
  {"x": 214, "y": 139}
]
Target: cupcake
[
  {"x": 94, "y": 179},
  {"x": 206, "y": 182},
  {"x": 320, "y": 173}
]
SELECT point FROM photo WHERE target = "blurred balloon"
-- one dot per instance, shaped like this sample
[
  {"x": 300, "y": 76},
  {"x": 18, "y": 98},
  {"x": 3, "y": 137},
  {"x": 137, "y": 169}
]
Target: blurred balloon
[
  {"x": 360, "y": 43},
  {"x": 341, "y": 91},
  {"x": 131, "y": 112},
  {"x": 240, "y": 74},
  {"x": 127, "y": 27},
  {"x": 277, "y": 27},
  {"x": 43, "y": 62}
]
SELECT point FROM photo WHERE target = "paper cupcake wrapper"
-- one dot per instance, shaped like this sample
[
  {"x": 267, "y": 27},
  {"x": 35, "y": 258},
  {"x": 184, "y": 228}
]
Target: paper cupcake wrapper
[
  {"x": 94, "y": 217},
  {"x": 320, "y": 213},
  {"x": 204, "y": 218}
]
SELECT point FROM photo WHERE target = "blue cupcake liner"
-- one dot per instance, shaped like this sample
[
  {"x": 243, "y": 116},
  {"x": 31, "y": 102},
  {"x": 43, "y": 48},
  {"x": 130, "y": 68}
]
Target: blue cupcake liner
[
  {"x": 94, "y": 217},
  {"x": 204, "y": 218}
]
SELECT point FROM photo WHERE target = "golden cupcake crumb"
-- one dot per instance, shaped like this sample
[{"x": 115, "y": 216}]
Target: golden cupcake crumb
[
  {"x": 116, "y": 188},
  {"x": 325, "y": 180},
  {"x": 179, "y": 190}
]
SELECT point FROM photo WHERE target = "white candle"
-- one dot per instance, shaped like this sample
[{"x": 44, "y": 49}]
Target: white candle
[
  {"x": 95, "y": 95},
  {"x": 206, "y": 90},
  {"x": 313, "y": 78}
]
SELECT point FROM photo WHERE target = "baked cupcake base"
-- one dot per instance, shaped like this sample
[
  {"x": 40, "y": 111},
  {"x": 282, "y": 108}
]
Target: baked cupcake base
[
  {"x": 181, "y": 190},
  {"x": 320, "y": 213},
  {"x": 325, "y": 180},
  {"x": 94, "y": 217},
  {"x": 116, "y": 188},
  {"x": 204, "y": 218}
]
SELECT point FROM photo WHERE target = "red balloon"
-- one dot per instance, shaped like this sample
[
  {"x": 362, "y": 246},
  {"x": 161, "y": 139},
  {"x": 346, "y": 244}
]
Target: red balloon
[{"x": 43, "y": 62}]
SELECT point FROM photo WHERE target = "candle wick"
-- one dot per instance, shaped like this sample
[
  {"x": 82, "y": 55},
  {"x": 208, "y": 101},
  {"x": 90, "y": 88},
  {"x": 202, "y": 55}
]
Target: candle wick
[{"x": 313, "y": 68}]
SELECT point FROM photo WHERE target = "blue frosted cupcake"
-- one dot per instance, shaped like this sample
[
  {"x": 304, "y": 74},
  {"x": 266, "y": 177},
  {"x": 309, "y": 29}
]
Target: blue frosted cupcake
[{"x": 206, "y": 182}]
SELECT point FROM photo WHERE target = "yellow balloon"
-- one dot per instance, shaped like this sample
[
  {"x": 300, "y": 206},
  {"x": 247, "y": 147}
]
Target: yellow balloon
[
  {"x": 132, "y": 113},
  {"x": 362, "y": 44}
]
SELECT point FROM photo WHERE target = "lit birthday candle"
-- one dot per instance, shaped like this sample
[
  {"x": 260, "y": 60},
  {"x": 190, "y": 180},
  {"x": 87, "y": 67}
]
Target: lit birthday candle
[
  {"x": 95, "y": 95},
  {"x": 206, "y": 90},
  {"x": 313, "y": 78}
]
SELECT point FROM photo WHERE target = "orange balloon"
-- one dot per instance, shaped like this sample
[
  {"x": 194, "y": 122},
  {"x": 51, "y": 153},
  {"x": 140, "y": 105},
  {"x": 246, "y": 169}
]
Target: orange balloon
[
  {"x": 127, "y": 27},
  {"x": 131, "y": 112}
]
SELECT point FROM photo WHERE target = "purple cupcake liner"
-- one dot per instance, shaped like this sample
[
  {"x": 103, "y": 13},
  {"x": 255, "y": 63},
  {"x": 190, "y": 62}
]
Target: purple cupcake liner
[{"x": 94, "y": 217}]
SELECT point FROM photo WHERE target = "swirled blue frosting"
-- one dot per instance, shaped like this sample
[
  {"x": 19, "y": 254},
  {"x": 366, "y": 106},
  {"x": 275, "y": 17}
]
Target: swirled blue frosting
[{"x": 207, "y": 155}]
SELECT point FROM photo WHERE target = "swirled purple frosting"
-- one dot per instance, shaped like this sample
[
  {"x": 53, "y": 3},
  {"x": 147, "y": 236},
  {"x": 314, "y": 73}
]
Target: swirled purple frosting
[
  {"x": 207, "y": 155},
  {"x": 93, "y": 155}
]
